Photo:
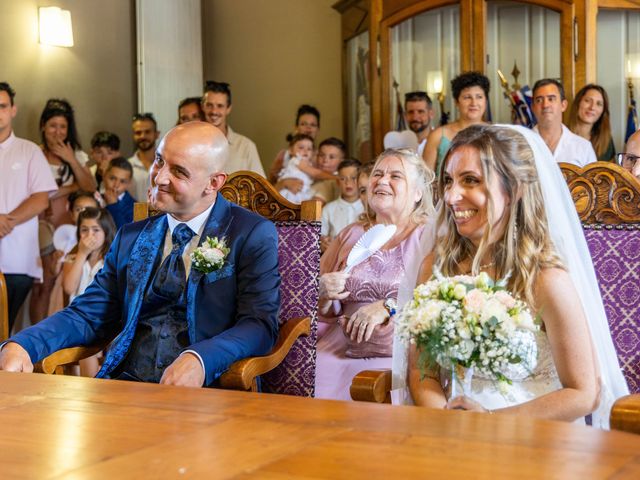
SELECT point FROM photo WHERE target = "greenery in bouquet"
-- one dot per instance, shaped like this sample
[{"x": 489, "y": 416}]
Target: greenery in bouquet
[
  {"x": 210, "y": 256},
  {"x": 470, "y": 322}
]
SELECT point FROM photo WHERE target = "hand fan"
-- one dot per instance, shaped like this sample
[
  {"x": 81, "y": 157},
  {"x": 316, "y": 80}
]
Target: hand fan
[
  {"x": 64, "y": 238},
  {"x": 369, "y": 243}
]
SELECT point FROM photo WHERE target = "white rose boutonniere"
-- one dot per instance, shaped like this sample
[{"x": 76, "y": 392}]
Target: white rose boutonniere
[{"x": 210, "y": 256}]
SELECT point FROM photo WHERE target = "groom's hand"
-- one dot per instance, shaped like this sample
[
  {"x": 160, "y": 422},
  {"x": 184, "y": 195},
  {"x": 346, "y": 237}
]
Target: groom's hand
[
  {"x": 14, "y": 358},
  {"x": 185, "y": 371}
]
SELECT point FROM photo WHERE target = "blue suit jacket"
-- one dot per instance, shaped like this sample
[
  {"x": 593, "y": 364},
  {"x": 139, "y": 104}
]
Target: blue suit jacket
[{"x": 231, "y": 312}]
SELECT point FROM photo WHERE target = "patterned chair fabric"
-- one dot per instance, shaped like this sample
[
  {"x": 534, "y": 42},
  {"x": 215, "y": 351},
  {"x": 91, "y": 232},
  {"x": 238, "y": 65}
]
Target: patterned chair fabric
[
  {"x": 615, "y": 250},
  {"x": 299, "y": 258}
]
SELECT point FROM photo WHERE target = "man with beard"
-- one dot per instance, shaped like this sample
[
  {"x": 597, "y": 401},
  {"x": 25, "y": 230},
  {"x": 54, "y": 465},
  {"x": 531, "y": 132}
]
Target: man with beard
[
  {"x": 216, "y": 104},
  {"x": 145, "y": 135},
  {"x": 419, "y": 113}
]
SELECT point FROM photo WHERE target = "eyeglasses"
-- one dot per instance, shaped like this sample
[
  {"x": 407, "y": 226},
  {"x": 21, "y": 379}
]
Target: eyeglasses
[{"x": 627, "y": 160}]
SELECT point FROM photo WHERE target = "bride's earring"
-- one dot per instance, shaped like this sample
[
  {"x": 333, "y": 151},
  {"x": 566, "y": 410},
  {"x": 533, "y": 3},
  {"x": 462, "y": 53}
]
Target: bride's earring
[{"x": 515, "y": 230}]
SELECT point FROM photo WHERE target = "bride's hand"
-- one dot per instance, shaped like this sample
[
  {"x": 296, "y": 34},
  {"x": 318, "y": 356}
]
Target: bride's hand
[
  {"x": 361, "y": 325},
  {"x": 465, "y": 403}
]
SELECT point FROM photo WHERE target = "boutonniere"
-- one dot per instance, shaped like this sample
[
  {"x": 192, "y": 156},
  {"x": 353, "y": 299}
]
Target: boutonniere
[{"x": 210, "y": 256}]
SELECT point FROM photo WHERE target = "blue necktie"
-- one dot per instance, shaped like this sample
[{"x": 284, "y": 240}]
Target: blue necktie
[{"x": 171, "y": 277}]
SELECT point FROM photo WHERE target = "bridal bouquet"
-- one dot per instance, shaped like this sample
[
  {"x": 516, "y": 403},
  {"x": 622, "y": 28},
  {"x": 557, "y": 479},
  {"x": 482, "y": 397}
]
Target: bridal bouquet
[{"x": 470, "y": 322}]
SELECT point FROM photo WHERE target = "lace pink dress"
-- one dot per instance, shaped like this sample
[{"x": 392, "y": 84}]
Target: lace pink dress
[{"x": 377, "y": 278}]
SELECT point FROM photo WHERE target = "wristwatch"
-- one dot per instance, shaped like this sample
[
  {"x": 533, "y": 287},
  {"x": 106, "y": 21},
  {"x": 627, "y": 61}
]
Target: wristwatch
[{"x": 391, "y": 306}]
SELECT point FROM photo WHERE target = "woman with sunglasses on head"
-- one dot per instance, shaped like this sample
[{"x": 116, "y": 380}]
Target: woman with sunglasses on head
[{"x": 589, "y": 118}]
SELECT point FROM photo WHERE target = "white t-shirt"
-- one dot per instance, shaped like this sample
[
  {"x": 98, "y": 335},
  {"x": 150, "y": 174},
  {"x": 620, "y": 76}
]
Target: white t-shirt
[
  {"x": 338, "y": 214},
  {"x": 573, "y": 149},
  {"x": 140, "y": 184}
]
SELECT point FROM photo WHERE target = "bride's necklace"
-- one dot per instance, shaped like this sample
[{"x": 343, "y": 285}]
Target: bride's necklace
[{"x": 482, "y": 267}]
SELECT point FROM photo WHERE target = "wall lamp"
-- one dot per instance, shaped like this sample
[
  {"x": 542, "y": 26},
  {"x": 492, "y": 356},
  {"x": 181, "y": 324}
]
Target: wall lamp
[{"x": 55, "y": 27}]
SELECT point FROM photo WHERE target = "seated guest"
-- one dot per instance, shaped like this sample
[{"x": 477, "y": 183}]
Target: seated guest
[
  {"x": 345, "y": 210},
  {"x": 629, "y": 158},
  {"x": 356, "y": 329},
  {"x": 549, "y": 102},
  {"x": 190, "y": 110},
  {"x": 68, "y": 164},
  {"x": 308, "y": 123},
  {"x": 150, "y": 286},
  {"x": 216, "y": 104},
  {"x": 299, "y": 166},
  {"x": 589, "y": 118},
  {"x": 507, "y": 212},
  {"x": 470, "y": 91},
  {"x": 419, "y": 114},
  {"x": 105, "y": 146},
  {"x": 118, "y": 200}
]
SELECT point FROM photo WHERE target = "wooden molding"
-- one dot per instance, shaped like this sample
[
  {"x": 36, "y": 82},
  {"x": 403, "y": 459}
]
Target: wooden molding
[
  {"x": 625, "y": 414},
  {"x": 603, "y": 192},
  {"x": 372, "y": 386}
]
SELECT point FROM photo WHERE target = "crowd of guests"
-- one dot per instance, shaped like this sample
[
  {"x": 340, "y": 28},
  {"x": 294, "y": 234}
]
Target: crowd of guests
[{"x": 489, "y": 219}]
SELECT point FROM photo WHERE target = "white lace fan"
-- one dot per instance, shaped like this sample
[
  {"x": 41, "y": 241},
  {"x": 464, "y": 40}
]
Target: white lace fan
[{"x": 369, "y": 243}]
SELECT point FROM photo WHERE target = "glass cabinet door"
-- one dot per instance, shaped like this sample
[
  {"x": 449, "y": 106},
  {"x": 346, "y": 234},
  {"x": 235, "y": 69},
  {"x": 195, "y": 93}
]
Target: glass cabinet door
[
  {"x": 522, "y": 35},
  {"x": 618, "y": 61},
  {"x": 358, "y": 95},
  {"x": 425, "y": 55}
]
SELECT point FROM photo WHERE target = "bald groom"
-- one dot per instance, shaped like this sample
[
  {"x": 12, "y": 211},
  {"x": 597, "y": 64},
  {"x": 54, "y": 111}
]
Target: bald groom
[{"x": 173, "y": 322}]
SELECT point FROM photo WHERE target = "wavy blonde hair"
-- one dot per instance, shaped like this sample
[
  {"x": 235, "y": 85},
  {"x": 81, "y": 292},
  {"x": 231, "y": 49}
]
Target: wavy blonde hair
[
  {"x": 422, "y": 181},
  {"x": 525, "y": 247}
]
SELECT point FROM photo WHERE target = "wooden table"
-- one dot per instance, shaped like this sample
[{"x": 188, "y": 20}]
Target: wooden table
[{"x": 69, "y": 427}]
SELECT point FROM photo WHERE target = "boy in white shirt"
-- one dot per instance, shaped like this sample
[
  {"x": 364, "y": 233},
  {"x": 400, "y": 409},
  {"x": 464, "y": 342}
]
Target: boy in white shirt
[{"x": 345, "y": 210}]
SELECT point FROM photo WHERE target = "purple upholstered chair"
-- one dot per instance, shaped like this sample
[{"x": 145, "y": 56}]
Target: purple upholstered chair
[
  {"x": 299, "y": 264},
  {"x": 607, "y": 198}
]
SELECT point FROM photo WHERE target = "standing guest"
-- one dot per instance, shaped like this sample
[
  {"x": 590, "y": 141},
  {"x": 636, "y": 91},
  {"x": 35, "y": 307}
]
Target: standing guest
[
  {"x": 25, "y": 184},
  {"x": 190, "y": 110},
  {"x": 68, "y": 164},
  {"x": 549, "y": 102},
  {"x": 356, "y": 329},
  {"x": 418, "y": 112},
  {"x": 118, "y": 200},
  {"x": 216, "y": 104},
  {"x": 589, "y": 118},
  {"x": 308, "y": 123},
  {"x": 95, "y": 232},
  {"x": 470, "y": 91},
  {"x": 145, "y": 134},
  {"x": 178, "y": 323},
  {"x": 336, "y": 215},
  {"x": 105, "y": 146},
  {"x": 331, "y": 152}
]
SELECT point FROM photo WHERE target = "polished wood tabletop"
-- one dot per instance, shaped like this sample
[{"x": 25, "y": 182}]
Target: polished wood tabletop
[{"x": 79, "y": 428}]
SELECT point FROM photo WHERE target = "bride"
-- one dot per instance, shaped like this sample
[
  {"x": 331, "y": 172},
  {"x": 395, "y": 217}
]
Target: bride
[{"x": 506, "y": 211}]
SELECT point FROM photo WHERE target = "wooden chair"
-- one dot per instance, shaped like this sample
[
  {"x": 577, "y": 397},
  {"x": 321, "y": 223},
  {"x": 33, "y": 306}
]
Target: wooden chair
[
  {"x": 607, "y": 198},
  {"x": 4, "y": 309},
  {"x": 625, "y": 414},
  {"x": 290, "y": 366}
]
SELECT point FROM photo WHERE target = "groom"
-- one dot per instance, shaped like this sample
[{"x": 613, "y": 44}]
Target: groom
[{"x": 175, "y": 323}]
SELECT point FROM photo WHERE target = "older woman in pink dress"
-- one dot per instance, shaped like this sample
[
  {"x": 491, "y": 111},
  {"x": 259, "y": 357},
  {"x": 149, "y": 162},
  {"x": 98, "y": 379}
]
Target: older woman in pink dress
[{"x": 356, "y": 308}]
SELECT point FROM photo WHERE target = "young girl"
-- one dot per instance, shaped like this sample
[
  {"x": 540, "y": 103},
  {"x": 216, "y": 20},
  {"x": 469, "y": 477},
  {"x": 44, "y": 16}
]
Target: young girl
[
  {"x": 96, "y": 231},
  {"x": 300, "y": 167}
]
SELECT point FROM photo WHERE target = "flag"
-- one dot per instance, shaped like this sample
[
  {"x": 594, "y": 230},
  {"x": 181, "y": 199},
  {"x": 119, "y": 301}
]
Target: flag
[{"x": 632, "y": 120}]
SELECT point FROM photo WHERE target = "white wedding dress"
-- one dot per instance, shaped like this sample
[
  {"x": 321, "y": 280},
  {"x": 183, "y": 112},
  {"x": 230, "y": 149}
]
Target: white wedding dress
[{"x": 568, "y": 238}]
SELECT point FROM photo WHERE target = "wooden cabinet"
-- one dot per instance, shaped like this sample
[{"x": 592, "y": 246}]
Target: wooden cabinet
[{"x": 408, "y": 39}]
